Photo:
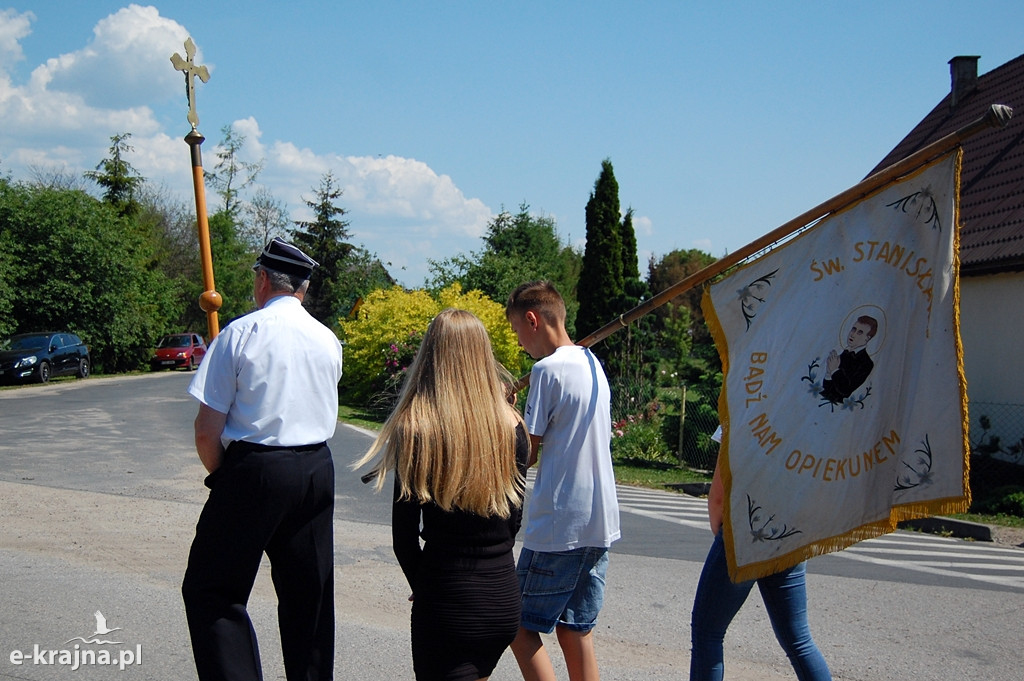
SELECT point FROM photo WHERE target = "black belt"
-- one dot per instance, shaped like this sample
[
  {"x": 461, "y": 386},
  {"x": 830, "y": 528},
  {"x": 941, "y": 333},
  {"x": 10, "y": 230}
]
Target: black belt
[{"x": 239, "y": 446}]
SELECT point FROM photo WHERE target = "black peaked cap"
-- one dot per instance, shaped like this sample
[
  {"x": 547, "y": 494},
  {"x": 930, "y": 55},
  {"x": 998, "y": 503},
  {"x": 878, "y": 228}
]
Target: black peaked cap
[{"x": 281, "y": 256}]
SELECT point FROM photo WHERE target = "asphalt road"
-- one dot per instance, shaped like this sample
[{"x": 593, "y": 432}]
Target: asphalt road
[{"x": 100, "y": 488}]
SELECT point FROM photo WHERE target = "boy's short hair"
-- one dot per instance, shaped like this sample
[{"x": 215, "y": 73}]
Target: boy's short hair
[{"x": 539, "y": 296}]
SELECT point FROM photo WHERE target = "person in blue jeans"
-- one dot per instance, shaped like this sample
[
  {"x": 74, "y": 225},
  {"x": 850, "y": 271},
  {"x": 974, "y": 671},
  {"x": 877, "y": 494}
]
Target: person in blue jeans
[
  {"x": 718, "y": 600},
  {"x": 573, "y": 513}
]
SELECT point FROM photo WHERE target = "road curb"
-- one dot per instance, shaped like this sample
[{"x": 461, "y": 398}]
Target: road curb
[
  {"x": 962, "y": 529},
  {"x": 694, "y": 489}
]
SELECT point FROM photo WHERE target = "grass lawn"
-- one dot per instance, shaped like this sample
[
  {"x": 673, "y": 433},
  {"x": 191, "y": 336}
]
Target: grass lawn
[
  {"x": 358, "y": 416},
  {"x": 989, "y": 519},
  {"x": 656, "y": 475}
]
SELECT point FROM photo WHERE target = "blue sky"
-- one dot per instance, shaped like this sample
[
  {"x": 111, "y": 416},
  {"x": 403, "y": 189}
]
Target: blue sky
[{"x": 722, "y": 120}]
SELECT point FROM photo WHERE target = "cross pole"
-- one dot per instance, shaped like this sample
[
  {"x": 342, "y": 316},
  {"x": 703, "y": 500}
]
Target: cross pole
[
  {"x": 209, "y": 300},
  {"x": 997, "y": 116}
]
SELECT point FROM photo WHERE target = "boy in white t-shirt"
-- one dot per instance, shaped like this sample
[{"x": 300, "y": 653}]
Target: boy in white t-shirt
[{"x": 573, "y": 514}]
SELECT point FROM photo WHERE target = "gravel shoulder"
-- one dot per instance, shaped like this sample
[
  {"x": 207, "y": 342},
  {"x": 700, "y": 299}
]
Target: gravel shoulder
[{"x": 1012, "y": 536}]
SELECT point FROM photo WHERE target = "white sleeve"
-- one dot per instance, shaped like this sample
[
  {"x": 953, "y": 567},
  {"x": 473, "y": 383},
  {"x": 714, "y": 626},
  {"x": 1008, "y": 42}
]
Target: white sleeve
[{"x": 214, "y": 383}]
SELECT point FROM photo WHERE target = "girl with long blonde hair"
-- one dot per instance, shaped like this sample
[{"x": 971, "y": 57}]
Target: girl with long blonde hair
[{"x": 459, "y": 452}]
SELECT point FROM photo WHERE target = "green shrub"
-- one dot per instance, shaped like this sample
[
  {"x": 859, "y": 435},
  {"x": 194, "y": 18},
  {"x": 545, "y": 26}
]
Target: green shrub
[
  {"x": 1007, "y": 500},
  {"x": 382, "y": 340},
  {"x": 638, "y": 437}
]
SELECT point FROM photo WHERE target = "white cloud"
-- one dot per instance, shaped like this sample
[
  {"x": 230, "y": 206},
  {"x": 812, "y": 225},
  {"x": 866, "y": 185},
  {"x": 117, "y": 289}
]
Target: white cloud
[
  {"x": 248, "y": 128},
  {"x": 127, "y": 62},
  {"x": 13, "y": 27},
  {"x": 408, "y": 188},
  {"x": 164, "y": 158},
  {"x": 58, "y": 157},
  {"x": 643, "y": 225},
  {"x": 64, "y": 115},
  {"x": 397, "y": 207},
  {"x": 703, "y": 245}
]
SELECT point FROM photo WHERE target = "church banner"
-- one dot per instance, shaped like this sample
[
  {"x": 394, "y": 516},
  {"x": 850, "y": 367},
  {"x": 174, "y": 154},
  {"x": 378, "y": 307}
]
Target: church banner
[{"x": 844, "y": 404}]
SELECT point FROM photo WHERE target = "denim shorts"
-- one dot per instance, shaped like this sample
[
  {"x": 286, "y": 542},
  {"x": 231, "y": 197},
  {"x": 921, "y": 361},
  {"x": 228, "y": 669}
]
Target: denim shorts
[{"x": 564, "y": 588}]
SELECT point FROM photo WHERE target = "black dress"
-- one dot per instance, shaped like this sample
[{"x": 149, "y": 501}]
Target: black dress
[{"x": 467, "y": 602}]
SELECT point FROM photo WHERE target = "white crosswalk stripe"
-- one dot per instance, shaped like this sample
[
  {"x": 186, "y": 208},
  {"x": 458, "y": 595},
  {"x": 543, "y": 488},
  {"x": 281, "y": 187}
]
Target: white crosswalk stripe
[
  {"x": 668, "y": 506},
  {"x": 944, "y": 556}
]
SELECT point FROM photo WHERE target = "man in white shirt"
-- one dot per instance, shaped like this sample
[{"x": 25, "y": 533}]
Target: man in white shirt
[{"x": 268, "y": 403}]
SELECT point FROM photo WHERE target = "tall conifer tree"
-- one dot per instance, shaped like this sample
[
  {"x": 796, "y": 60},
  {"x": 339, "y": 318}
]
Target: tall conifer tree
[
  {"x": 630, "y": 265},
  {"x": 601, "y": 283},
  {"x": 120, "y": 181},
  {"x": 323, "y": 239}
]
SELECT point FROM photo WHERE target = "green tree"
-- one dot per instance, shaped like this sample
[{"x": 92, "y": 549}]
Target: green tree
[
  {"x": 517, "y": 247},
  {"x": 171, "y": 222},
  {"x": 117, "y": 177},
  {"x": 688, "y": 352},
  {"x": 601, "y": 282},
  {"x": 232, "y": 269},
  {"x": 323, "y": 239},
  {"x": 77, "y": 264},
  {"x": 233, "y": 254},
  {"x": 673, "y": 267},
  {"x": 267, "y": 218},
  {"x": 630, "y": 263},
  {"x": 631, "y": 355},
  {"x": 610, "y": 285},
  {"x": 7, "y": 292},
  {"x": 147, "y": 209},
  {"x": 231, "y": 175},
  {"x": 362, "y": 273}
]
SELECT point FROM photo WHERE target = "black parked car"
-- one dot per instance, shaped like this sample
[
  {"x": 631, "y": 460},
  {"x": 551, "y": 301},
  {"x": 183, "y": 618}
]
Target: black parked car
[{"x": 38, "y": 356}]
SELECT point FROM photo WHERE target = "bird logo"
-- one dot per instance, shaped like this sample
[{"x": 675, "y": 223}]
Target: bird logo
[
  {"x": 101, "y": 630},
  {"x": 101, "y": 625}
]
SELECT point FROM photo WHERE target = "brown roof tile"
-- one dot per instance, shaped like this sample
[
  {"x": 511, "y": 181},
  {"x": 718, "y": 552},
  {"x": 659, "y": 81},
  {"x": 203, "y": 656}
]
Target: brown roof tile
[{"x": 992, "y": 174}]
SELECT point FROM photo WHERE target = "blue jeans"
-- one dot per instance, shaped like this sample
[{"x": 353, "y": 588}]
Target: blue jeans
[
  {"x": 562, "y": 588},
  {"x": 718, "y": 600}
]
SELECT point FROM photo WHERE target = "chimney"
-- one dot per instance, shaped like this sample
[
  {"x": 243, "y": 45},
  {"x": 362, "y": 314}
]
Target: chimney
[{"x": 963, "y": 72}]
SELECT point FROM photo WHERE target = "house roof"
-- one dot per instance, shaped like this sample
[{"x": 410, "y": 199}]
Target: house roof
[{"x": 992, "y": 173}]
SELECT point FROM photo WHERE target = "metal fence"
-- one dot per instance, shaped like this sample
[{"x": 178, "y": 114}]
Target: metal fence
[
  {"x": 997, "y": 431},
  {"x": 669, "y": 424}
]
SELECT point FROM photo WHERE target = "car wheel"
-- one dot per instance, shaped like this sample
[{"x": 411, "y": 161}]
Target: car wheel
[
  {"x": 44, "y": 372},
  {"x": 192, "y": 363},
  {"x": 83, "y": 368}
]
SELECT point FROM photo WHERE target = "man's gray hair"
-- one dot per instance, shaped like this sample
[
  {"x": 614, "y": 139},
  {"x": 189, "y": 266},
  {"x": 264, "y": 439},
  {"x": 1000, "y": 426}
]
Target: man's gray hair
[{"x": 279, "y": 281}]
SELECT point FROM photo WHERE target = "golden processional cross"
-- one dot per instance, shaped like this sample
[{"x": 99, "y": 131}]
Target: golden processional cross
[
  {"x": 188, "y": 65},
  {"x": 209, "y": 300}
]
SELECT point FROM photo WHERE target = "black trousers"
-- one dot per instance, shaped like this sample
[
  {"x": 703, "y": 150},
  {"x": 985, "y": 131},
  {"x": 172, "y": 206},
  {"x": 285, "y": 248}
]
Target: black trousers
[{"x": 278, "y": 501}]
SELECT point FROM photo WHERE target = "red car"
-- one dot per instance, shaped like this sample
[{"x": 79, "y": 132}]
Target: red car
[{"x": 178, "y": 350}]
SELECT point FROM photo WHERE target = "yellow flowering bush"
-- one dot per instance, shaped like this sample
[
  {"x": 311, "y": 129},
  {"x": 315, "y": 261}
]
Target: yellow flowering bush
[
  {"x": 492, "y": 314},
  {"x": 382, "y": 340}
]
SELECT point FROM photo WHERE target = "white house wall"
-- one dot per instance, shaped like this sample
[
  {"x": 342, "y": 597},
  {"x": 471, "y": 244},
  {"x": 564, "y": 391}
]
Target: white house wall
[{"x": 992, "y": 330}]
